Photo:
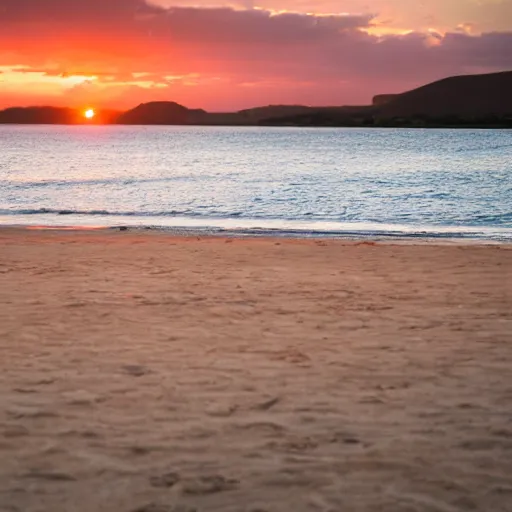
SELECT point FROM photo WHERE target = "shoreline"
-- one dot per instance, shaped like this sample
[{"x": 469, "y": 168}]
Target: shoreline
[
  {"x": 298, "y": 126},
  {"x": 414, "y": 238}
]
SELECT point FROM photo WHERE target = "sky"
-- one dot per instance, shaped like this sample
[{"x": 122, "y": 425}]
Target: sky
[{"x": 227, "y": 55}]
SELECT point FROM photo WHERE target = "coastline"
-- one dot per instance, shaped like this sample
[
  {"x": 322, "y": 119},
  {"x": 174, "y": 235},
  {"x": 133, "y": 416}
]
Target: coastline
[
  {"x": 485, "y": 236},
  {"x": 384, "y": 126},
  {"x": 144, "y": 371}
]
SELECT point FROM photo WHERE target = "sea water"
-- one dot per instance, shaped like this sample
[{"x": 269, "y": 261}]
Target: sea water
[{"x": 258, "y": 180}]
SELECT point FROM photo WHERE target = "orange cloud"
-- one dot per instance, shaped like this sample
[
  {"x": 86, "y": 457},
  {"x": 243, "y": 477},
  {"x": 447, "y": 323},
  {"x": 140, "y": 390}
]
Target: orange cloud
[{"x": 117, "y": 53}]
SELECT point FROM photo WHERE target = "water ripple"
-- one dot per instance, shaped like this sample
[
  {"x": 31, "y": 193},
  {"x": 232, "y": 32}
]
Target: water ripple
[{"x": 444, "y": 179}]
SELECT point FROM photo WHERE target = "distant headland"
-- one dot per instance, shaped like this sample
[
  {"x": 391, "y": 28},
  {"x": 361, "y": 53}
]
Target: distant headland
[{"x": 461, "y": 101}]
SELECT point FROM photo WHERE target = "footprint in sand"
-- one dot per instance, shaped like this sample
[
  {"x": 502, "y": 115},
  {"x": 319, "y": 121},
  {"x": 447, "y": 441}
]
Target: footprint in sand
[
  {"x": 293, "y": 445},
  {"x": 291, "y": 355},
  {"x": 21, "y": 412},
  {"x": 211, "y": 484},
  {"x": 166, "y": 480},
  {"x": 82, "y": 398},
  {"x": 268, "y": 404},
  {"x": 156, "y": 507},
  {"x": 25, "y": 391},
  {"x": 135, "y": 370},
  {"x": 16, "y": 431},
  {"x": 221, "y": 411},
  {"x": 264, "y": 427},
  {"x": 50, "y": 476},
  {"x": 485, "y": 444},
  {"x": 44, "y": 382}
]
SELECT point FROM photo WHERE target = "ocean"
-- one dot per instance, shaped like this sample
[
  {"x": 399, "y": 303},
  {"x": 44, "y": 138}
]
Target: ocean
[{"x": 259, "y": 181}]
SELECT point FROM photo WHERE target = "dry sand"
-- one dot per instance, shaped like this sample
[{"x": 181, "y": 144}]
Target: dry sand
[{"x": 151, "y": 373}]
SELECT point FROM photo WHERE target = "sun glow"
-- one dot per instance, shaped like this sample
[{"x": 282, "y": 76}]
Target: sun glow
[{"x": 89, "y": 114}]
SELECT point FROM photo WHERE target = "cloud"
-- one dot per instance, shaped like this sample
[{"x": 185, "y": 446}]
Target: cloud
[
  {"x": 120, "y": 16},
  {"x": 227, "y": 57},
  {"x": 443, "y": 15}
]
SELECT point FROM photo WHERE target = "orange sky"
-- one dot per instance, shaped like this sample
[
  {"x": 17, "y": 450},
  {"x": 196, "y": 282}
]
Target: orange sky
[{"x": 228, "y": 55}]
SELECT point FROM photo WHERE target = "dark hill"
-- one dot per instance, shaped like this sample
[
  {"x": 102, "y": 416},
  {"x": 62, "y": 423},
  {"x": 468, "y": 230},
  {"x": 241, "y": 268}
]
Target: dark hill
[
  {"x": 326, "y": 116},
  {"x": 383, "y": 99},
  {"x": 258, "y": 114},
  {"x": 462, "y": 101},
  {"x": 38, "y": 115},
  {"x": 471, "y": 96},
  {"x": 169, "y": 113},
  {"x": 161, "y": 112}
]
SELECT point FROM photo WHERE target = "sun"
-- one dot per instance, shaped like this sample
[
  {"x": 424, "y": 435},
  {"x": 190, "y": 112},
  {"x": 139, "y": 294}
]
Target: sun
[{"x": 89, "y": 114}]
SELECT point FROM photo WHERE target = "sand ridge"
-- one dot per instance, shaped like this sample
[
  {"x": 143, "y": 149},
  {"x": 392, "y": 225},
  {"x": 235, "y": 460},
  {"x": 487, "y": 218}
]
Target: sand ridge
[{"x": 142, "y": 372}]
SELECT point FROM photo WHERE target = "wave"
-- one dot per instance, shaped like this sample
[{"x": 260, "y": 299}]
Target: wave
[
  {"x": 475, "y": 222},
  {"x": 70, "y": 183},
  {"x": 363, "y": 233},
  {"x": 239, "y": 225},
  {"x": 107, "y": 213},
  {"x": 50, "y": 211},
  {"x": 125, "y": 181},
  {"x": 486, "y": 148},
  {"x": 498, "y": 219}
]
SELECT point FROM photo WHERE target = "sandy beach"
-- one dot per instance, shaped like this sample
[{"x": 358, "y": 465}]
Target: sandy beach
[{"x": 145, "y": 372}]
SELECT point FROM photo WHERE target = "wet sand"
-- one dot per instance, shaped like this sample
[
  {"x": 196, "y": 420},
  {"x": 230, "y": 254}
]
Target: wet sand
[{"x": 144, "y": 372}]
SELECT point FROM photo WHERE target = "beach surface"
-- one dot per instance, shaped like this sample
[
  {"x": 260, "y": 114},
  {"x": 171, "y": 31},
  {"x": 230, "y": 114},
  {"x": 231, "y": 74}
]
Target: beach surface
[{"x": 145, "y": 372}]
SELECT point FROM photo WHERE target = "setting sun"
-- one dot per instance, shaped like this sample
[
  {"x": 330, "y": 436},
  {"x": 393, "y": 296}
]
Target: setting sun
[{"x": 89, "y": 114}]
